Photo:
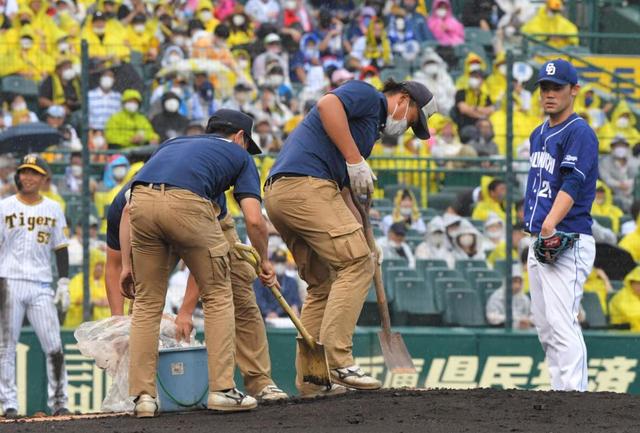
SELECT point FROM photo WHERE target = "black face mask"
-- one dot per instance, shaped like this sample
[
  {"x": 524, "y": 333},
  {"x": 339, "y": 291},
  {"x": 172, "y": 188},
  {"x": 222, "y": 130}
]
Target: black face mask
[{"x": 25, "y": 22}]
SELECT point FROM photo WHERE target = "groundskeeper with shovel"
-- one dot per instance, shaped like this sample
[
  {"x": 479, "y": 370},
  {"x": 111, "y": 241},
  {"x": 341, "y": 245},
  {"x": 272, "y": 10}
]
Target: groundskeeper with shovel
[{"x": 308, "y": 199}]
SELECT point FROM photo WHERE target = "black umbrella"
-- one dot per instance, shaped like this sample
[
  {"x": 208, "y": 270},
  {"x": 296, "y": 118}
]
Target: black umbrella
[
  {"x": 614, "y": 261},
  {"x": 29, "y": 137}
]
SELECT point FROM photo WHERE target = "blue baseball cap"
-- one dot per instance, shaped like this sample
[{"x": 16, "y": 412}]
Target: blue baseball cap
[{"x": 558, "y": 71}]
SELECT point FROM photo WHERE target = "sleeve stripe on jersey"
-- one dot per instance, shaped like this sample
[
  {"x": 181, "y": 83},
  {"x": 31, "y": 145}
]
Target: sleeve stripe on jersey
[{"x": 583, "y": 176}]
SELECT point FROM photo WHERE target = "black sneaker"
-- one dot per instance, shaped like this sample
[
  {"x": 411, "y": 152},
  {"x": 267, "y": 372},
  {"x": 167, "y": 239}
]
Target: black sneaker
[
  {"x": 11, "y": 413},
  {"x": 63, "y": 411}
]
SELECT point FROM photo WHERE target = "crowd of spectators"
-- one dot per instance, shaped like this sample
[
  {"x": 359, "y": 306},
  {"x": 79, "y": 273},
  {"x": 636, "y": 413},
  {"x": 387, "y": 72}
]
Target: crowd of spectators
[{"x": 160, "y": 69}]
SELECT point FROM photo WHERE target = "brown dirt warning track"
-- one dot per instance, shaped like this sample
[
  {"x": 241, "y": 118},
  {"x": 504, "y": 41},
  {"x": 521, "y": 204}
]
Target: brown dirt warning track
[{"x": 434, "y": 411}]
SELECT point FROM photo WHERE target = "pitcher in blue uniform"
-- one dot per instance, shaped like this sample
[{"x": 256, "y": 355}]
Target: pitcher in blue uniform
[{"x": 561, "y": 188}]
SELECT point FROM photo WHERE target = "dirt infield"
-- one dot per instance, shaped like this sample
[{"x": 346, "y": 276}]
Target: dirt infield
[{"x": 395, "y": 411}]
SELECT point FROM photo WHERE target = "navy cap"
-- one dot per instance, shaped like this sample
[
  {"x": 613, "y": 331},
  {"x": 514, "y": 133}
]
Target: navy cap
[
  {"x": 426, "y": 106},
  {"x": 558, "y": 71},
  {"x": 238, "y": 120}
]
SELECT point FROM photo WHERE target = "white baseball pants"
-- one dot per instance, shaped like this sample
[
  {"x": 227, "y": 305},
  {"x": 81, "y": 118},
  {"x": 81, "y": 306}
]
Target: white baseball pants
[
  {"x": 36, "y": 300},
  {"x": 556, "y": 292}
]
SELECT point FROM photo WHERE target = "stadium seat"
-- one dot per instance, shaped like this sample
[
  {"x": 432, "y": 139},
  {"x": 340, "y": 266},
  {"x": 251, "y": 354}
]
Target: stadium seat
[
  {"x": 20, "y": 85},
  {"x": 414, "y": 241},
  {"x": 390, "y": 191},
  {"x": 462, "y": 264},
  {"x": 393, "y": 263},
  {"x": 486, "y": 286},
  {"x": 432, "y": 274},
  {"x": 617, "y": 284},
  {"x": 422, "y": 265},
  {"x": 500, "y": 266},
  {"x": 464, "y": 308},
  {"x": 391, "y": 275},
  {"x": 474, "y": 273},
  {"x": 604, "y": 221},
  {"x": 441, "y": 201},
  {"x": 442, "y": 285},
  {"x": 382, "y": 202},
  {"x": 414, "y": 302},
  {"x": 593, "y": 309},
  {"x": 478, "y": 35},
  {"x": 478, "y": 224}
]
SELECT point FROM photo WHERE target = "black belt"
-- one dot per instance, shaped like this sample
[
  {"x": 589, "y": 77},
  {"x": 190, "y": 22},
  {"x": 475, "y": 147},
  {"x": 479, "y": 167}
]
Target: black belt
[
  {"x": 277, "y": 176},
  {"x": 158, "y": 186}
]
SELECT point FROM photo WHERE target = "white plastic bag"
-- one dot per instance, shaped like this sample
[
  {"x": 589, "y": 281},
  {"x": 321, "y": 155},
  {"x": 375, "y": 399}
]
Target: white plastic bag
[{"x": 107, "y": 342}]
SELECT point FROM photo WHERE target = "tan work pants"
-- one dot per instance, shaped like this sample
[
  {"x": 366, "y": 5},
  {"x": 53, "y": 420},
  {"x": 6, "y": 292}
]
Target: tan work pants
[
  {"x": 252, "y": 349},
  {"x": 331, "y": 251},
  {"x": 178, "y": 222}
]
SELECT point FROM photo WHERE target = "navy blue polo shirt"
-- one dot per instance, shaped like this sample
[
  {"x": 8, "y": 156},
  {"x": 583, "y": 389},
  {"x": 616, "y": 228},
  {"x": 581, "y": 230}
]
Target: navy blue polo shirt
[
  {"x": 309, "y": 151},
  {"x": 206, "y": 165}
]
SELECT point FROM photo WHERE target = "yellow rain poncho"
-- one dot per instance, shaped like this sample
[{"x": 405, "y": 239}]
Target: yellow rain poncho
[
  {"x": 612, "y": 129},
  {"x": 625, "y": 305},
  {"x": 607, "y": 208},
  {"x": 546, "y": 22}
]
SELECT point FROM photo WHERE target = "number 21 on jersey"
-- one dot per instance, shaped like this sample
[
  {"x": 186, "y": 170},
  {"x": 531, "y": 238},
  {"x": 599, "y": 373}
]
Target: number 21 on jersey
[{"x": 545, "y": 189}]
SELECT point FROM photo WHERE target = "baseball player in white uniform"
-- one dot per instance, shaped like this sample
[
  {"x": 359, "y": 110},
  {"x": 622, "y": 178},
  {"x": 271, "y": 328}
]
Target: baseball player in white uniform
[
  {"x": 31, "y": 226},
  {"x": 561, "y": 188}
]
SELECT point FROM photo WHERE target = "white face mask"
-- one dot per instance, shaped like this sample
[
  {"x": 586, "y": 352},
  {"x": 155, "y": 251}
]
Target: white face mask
[
  {"x": 395, "y": 244},
  {"x": 290, "y": 4},
  {"x": 466, "y": 240},
  {"x": 68, "y": 74},
  {"x": 400, "y": 25},
  {"x": 171, "y": 105},
  {"x": 179, "y": 41},
  {"x": 119, "y": 172},
  {"x": 431, "y": 69},
  {"x": 139, "y": 28},
  {"x": 131, "y": 106},
  {"x": 437, "y": 238},
  {"x": 279, "y": 268},
  {"x": 99, "y": 141},
  {"x": 26, "y": 43},
  {"x": 494, "y": 234},
  {"x": 206, "y": 16},
  {"x": 394, "y": 127},
  {"x": 106, "y": 82},
  {"x": 63, "y": 47},
  {"x": 406, "y": 211},
  {"x": 275, "y": 80},
  {"x": 502, "y": 69},
  {"x": 622, "y": 122},
  {"x": 76, "y": 170},
  {"x": 237, "y": 20},
  {"x": 620, "y": 152},
  {"x": 441, "y": 12},
  {"x": 98, "y": 31},
  {"x": 20, "y": 106},
  {"x": 474, "y": 82}
]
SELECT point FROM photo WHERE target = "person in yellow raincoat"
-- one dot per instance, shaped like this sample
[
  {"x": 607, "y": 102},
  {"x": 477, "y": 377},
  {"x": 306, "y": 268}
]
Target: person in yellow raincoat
[
  {"x": 472, "y": 63},
  {"x": 549, "y": 19},
  {"x": 623, "y": 123},
  {"x": 523, "y": 123},
  {"x": 98, "y": 292},
  {"x": 240, "y": 29},
  {"x": 204, "y": 12},
  {"x": 129, "y": 127},
  {"x": 589, "y": 103},
  {"x": 598, "y": 283},
  {"x": 27, "y": 59},
  {"x": 631, "y": 242},
  {"x": 493, "y": 193},
  {"x": 105, "y": 43},
  {"x": 603, "y": 206},
  {"x": 378, "y": 47},
  {"x": 624, "y": 307},
  {"x": 496, "y": 82},
  {"x": 141, "y": 37},
  {"x": 43, "y": 24}
]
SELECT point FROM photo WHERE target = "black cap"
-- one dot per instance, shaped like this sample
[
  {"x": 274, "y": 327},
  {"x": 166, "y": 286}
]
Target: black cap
[
  {"x": 35, "y": 162},
  {"x": 238, "y": 120},
  {"x": 99, "y": 16},
  {"x": 426, "y": 106},
  {"x": 399, "y": 228}
]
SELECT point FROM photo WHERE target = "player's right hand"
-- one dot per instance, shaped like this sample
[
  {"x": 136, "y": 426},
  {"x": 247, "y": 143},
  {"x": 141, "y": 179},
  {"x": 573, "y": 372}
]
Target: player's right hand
[
  {"x": 184, "y": 326},
  {"x": 267, "y": 274},
  {"x": 361, "y": 177},
  {"x": 127, "y": 285}
]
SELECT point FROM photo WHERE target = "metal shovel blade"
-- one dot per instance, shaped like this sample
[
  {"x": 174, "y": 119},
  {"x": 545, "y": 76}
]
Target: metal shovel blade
[
  {"x": 395, "y": 353},
  {"x": 313, "y": 362}
]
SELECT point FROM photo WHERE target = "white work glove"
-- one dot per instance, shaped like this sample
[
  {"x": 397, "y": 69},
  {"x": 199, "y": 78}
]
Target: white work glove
[
  {"x": 62, "y": 294},
  {"x": 379, "y": 254},
  {"x": 361, "y": 177}
]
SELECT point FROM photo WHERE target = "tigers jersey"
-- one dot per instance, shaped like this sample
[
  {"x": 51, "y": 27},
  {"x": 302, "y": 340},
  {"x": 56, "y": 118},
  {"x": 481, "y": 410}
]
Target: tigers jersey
[{"x": 28, "y": 233}]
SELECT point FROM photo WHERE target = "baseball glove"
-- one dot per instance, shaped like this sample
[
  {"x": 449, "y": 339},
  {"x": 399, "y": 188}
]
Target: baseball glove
[{"x": 548, "y": 249}]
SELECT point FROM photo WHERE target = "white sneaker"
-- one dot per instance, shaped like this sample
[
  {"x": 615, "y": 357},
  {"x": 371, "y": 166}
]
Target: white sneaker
[
  {"x": 354, "y": 377},
  {"x": 230, "y": 400},
  {"x": 309, "y": 390},
  {"x": 146, "y": 406},
  {"x": 271, "y": 393}
]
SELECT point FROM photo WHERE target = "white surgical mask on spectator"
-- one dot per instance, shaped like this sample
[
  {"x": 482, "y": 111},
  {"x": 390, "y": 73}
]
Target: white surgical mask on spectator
[
  {"x": 466, "y": 240},
  {"x": 238, "y": 20},
  {"x": 76, "y": 170},
  {"x": 63, "y": 47},
  {"x": 502, "y": 69},
  {"x": 279, "y": 268},
  {"x": 437, "y": 238},
  {"x": 131, "y": 106},
  {"x": 622, "y": 122},
  {"x": 242, "y": 97},
  {"x": 19, "y": 106},
  {"x": 494, "y": 234},
  {"x": 275, "y": 80},
  {"x": 243, "y": 63},
  {"x": 179, "y": 41},
  {"x": 620, "y": 152},
  {"x": 68, "y": 74},
  {"x": 290, "y": 4},
  {"x": 26, "y": 43},
  {"x": 139, "y": 28},
  {"x": 98, "y": 31},
  {"x": 98, "y": 141},
  {"x": 206, "y": 16},
  {"x": 441, "y": 12},
  {"x": 406, "y": 211},
  {"x": 431, "y": 69},
  {"x": 395, "y": 244},
  {"x": 106, "y": 82},
  {"x": 174, "y": 58},
  {"x": 400, "y": 25},
  {"x": 474, "y": 82},
  {"x": 119, "y": 172},
  {"x": 171, "y": 105}
]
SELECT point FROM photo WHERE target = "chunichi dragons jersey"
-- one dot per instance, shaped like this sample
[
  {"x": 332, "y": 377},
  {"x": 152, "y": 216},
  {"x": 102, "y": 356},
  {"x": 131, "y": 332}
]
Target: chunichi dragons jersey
[
  {"x": 28, "y": 233},
  {"x": 571, "y": 145}
]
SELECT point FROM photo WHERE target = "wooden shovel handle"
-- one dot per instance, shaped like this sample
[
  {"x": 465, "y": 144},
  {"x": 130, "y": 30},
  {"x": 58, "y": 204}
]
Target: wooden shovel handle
[
  {"x": 275, "y": 289},
  {"x": 381, "y": 297}
]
